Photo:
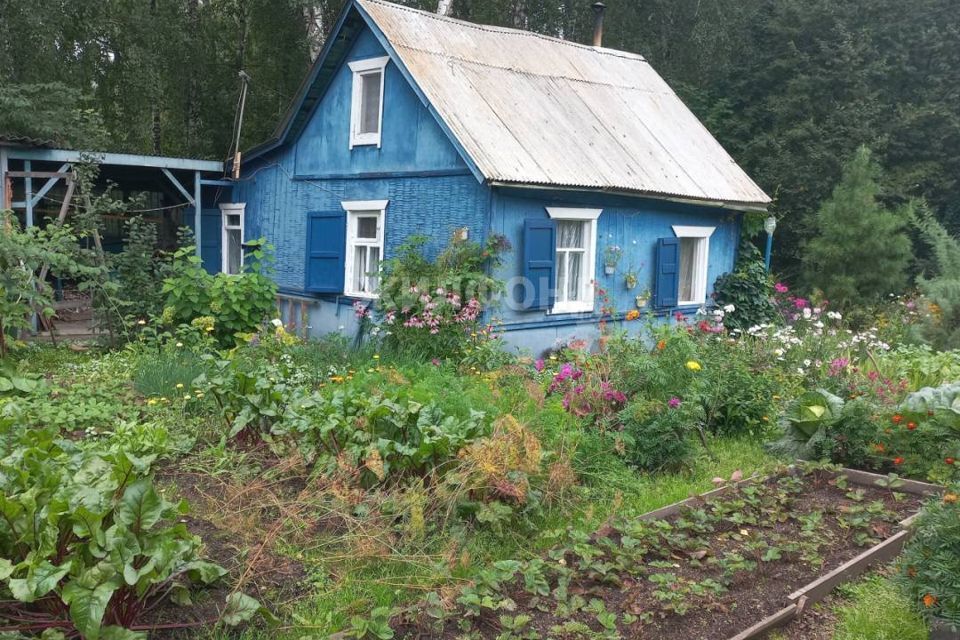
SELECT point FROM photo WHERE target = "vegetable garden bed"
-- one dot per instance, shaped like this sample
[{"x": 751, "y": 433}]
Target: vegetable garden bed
[{"x": 732, "y": 563}]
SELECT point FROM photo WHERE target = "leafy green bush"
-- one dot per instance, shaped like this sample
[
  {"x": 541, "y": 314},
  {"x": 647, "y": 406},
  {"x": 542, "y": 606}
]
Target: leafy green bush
[
  {"x": 929, "y": 569},
  {"x": 237, "y": 304},
  {"x": 748, "y": 288},
  {"x": 387, "y": 437},
  {"x": 921, "y": 365},
  {"x": 86, "y": 543},
  {"x": 25, "y": 255},
  {"x": 657, "y": 438}
]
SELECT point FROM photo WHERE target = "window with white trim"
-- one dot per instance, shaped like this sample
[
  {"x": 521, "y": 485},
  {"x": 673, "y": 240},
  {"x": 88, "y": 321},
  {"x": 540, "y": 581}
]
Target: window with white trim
[
  {"x": 232, "y": 237},
  {"x": 694, "y": 263},
  {"x": 366, "y": 110},
  {"x": 576, "y": 253},
  {"x": 364, "y": 247}
]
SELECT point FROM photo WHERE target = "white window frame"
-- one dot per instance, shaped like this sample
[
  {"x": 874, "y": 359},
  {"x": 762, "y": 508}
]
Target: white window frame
[
  {"x": 362, "y": 68},
  {"x": 231, "y": 209},
  {"x": 589, "y": 218},
  {"x": 701, "y": 262},
  {"x": 356, "y": 209}
]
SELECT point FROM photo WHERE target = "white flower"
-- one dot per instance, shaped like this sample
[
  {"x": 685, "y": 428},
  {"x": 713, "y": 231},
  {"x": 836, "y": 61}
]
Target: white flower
[
  {"x": 807, "y": 313},
  {"x": 729, "y": 308},
  {"x": 778, "y": 352},
  {"x": 277, "y": 322},
  {"x": 807, "y": 362}
]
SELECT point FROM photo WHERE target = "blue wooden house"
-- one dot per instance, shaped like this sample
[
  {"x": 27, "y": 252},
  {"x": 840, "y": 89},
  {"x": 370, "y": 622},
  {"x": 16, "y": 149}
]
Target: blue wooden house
[{"x": 413, "y": 123}]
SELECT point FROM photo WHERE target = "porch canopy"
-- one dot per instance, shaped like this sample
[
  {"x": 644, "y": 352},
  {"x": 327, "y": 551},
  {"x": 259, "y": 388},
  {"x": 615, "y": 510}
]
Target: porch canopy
[{"x": 37, "y": 183}]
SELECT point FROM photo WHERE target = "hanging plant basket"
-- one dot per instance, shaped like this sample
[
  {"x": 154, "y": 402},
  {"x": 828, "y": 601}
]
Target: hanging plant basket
[
  {"x": 609, "y": 269},
  {"x": 630, "y": 281},
  {"x": 642, "y": 300}
]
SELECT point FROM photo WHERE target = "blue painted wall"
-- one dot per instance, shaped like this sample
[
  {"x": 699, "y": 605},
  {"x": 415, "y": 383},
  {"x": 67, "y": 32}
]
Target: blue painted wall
[
  {"x": 634, "y": 224},
  {"x": 411, "y": 139}
]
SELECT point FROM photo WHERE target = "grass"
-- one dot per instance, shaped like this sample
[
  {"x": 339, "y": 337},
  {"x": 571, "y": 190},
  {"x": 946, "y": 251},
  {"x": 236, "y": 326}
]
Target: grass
[{"x": 877, "y": 610}]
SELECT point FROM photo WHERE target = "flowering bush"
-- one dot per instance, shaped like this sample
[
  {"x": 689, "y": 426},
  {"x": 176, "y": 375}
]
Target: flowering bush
[
  {"x": 434, "y": 309},
  {"x": 587, "y": 391}
]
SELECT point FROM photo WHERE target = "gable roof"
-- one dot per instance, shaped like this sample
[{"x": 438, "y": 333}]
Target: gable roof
[{"x": 528, "y": 109}]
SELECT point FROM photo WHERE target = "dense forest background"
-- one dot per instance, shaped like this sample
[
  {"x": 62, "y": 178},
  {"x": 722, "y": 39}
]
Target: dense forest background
[{"x": 791, "y": 87}]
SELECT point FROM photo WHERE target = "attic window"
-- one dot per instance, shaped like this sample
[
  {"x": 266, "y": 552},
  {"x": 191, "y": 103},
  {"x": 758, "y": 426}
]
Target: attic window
[{"x": 366, "y": 112}]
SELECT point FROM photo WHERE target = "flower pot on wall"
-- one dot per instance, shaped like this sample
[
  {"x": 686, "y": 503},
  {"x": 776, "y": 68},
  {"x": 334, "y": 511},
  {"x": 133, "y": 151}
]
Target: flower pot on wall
[
  {"x": 642, "y": 300},
  {"x": 630, "y": 281},
  {"x": 609, "y": 269}
]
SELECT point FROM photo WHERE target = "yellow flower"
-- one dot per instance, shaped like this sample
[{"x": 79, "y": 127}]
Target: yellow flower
[
  {"x": 152, "y": 401},
  {"x": 376, "y": 356},
  {"x": 693, "y": 365},
  {"x": 179, "y": 385},
  {"x": 186, "y": 397}
]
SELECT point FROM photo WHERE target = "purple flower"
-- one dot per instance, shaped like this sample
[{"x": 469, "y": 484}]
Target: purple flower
[
  {"x": 838, "y": 366},
  {"x": 674, "y": 402},
  {"x": 539, "y": 365}
]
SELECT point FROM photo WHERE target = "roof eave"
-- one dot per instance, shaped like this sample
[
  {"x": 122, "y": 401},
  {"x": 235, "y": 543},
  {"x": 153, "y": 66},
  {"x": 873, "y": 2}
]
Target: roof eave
[{"x": 719, "y": 203}]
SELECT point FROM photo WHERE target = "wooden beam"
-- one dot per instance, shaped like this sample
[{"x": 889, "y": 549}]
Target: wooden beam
[
  {"x": 36, "y": 174},
  {"x": 121, "y": 159},
  {"x": 217, "y": 183},
  {"x": 64, "y": 169},
  {"x": 180, "y": 187}
]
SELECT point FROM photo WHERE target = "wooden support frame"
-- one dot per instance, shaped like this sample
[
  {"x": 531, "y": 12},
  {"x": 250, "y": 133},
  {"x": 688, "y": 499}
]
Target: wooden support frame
[
  {"x": 176, "y": 183},
  {"x": 197, "y": 209},
  {"x": 5, "y": 191}
]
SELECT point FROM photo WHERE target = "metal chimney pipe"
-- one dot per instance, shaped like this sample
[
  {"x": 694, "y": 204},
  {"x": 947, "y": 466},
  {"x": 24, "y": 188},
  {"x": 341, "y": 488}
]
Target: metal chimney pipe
[{"x": 598, "y": 10}]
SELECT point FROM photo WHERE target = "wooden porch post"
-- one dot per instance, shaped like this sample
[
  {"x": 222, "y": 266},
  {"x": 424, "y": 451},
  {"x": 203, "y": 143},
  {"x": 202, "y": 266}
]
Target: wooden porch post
[
  {"x": 28, "y": 193},
  {"x": 197, "y": 208}
]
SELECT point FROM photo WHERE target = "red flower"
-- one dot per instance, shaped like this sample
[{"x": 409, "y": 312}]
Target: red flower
[
  {"x": 898, "y": 460},
  {"x": 897, "y": 419},
  {"x": 911, "y": 426},
  {"x": 950, "y": 461}
]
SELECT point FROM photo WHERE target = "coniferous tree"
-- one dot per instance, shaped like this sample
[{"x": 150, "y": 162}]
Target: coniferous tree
[{"x": 861, "y": 251}]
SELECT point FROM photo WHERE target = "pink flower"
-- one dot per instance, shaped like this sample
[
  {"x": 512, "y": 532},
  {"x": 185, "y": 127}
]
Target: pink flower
[
  {"x": 674, "y": 402},
  {"x": 837, "y": 366},
  {"x": 539, "y": 365},
  {"x": 781, "y": 288},
  {"x": 801, "y": 303}
]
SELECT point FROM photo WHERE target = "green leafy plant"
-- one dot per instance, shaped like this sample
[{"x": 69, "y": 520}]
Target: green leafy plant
[
  {"x": 930, "y": 565},
  {"x": 237, "y": 304},
  {"x": 749, "y": 288},
  {"x": 86, "y": 543}
]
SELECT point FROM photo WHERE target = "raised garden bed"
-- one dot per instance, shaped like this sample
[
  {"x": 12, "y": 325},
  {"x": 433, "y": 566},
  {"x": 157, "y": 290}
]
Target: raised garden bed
[{"x": 732, "y": 563}]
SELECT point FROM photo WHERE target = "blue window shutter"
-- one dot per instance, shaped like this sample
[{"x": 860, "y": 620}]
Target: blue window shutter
[
  {"x": 539, "y": 262},
  {"x": 326, "y": 247},
  {"x": 668, "y": 272},
  {"x": 211, "y": 237}
]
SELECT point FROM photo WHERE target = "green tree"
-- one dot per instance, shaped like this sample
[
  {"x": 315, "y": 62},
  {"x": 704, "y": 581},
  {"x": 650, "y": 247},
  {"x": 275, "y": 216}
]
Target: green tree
[
  {"x": 942, "y": 289},
  {"x": 861, "y": 251}
]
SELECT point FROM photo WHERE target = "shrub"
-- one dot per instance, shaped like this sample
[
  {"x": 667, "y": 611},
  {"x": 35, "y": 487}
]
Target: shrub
[
  {"x": 930, "y": 565},
  {"x": 748, "y": 288},
  {"x": 941, "y": 290},
  {"x": 86, "y": 543},
  {"x": 657, "y": 438},
  {"x": 237, "y": 304},
  {"x": 429, "y": 309}
]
